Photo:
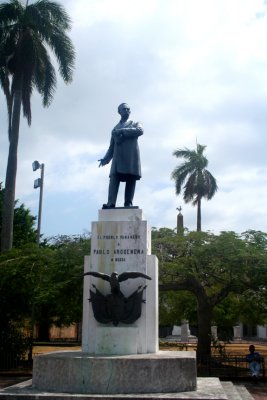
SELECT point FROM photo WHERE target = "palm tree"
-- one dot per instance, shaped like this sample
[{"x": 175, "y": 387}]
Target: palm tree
[
  {"x": 28, "y": 33},
  {"x": 200, "y": 183}
]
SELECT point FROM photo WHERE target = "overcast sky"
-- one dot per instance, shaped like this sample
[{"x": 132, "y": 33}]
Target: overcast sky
[{"x": 191, "y": 71}]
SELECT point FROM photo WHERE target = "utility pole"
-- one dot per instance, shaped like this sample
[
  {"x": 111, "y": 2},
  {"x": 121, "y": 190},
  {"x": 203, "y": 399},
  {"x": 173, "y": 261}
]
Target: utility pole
[{"x": 39, "y": 183}]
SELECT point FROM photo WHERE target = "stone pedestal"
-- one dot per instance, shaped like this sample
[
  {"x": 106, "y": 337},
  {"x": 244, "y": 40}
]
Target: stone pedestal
[
  {"x": 214, "y": 332},
  {"x": 237, "y": 333},
  {"x": 185, "y": 331},
  {"x": 121, "y": 241},
  {"x": 176, "y": 331}
]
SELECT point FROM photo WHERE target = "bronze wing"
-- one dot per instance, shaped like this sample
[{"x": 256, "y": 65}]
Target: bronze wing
[
  {"x": 105, "y": 277},
  {"x": 132, "y": 275}
]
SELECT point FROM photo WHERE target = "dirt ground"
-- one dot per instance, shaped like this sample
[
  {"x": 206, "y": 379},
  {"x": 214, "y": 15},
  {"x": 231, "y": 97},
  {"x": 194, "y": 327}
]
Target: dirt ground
[{"x": 231, "y": 348}]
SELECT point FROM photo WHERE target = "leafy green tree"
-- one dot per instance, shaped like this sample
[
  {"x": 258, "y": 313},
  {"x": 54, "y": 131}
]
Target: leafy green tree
[
  {"x": 162, "y": 233},
  {"x": 24, "y": 226},
  {"x": 200, "y": 182},
  {"x": 27, "y": 33},
  {"x": 176, "y": 306},
  {"x": 227, "y": 313},
  {"x": 59, "y": 297},
  {"x": 212, "y": 268},
  {"x": 24, "y": 223},
  {"x": 43, "y": 285},
  {"x": 15, "y": 293}
]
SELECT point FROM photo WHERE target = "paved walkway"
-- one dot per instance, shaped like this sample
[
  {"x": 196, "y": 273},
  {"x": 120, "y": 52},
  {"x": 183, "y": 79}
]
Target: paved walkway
[
  {"x": 6, "y": 381},
  {"x": 258, "y": 391}
]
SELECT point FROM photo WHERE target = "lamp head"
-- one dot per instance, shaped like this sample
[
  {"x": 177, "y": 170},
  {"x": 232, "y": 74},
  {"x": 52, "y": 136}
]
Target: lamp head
[{"x": 36, "y": 165}]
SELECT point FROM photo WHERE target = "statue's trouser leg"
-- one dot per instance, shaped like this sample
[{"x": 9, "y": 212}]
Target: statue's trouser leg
[
  {"x": 129, "y": 192},
  {"x": 114, "y": 184}
]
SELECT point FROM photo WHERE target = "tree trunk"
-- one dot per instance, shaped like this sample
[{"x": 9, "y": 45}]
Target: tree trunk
[
  {"x": 44, "y": 325},
  {"x": 44, "y": 332},
  {"x": 204, "y": 330},
  {"x": 11, "y": 172},
  {"x": 199, "y": 215}
]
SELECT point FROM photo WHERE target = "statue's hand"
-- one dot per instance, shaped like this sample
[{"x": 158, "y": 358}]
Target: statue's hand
[{"x": 101, "y": 162}]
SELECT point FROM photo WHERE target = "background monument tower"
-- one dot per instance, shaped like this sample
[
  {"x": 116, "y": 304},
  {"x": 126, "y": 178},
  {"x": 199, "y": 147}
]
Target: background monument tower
[{"x": 180, "y": 221}]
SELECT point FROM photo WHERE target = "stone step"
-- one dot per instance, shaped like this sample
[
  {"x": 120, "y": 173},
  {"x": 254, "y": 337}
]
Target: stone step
[
  {"x": 231, "y": 391},
  {"x": 207, "y": 389},
  {"x": 245, "y": 395},
  {"x": 236, "y": 392}
]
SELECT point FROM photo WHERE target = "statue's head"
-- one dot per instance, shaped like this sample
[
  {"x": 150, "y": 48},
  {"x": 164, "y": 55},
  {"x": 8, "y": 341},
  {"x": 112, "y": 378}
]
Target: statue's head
[{"x": 124, "y": 109}]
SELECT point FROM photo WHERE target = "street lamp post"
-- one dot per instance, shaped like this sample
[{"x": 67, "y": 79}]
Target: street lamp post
[{"x": 39, "y": 183}]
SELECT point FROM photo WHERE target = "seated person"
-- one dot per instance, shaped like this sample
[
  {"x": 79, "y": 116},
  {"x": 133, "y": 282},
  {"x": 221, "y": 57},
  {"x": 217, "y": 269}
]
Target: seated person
[{"x": 253, "y": 358}]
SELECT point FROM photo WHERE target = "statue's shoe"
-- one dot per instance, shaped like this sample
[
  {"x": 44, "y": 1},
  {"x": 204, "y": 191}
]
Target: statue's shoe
[{"x": 107, "y": 206}]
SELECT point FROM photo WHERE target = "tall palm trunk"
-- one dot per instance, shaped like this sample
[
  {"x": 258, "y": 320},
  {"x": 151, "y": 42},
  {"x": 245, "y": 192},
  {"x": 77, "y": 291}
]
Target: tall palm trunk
[
  {"x": 199, "y": 214},
  {"x": 11, "y": 172}
]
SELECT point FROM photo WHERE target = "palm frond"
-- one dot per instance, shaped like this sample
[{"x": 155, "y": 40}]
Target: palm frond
[
  {"x": 50, "y": 11},
  {"x": 183, "y": 153},
  {"x": 45, "y": 75},
  {"x": 26, "y": 100},
  {"x": 182, "y": 169},
  {"x": 64, "y": 51},
  {"x": 200, "y": 149},
  {"x": 10, "y": 12},
  {"x": 51, "y": 23},
  {"x": 5, "y": 84},
  {"x": 26, "y": 55},
  {"x": 210, "y": 183},
  {"x": 9, "y": 35},
  {"x": 190, "y": 188},
  {"x": 179, "y": 175},
  {"x": 195, "y": 158}
]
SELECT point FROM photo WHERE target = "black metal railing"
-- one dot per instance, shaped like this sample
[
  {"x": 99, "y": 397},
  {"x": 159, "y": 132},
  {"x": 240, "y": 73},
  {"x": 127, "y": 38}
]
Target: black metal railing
[
  {"x": 227, "y": 366},
  {"x": 230, "y": 366},
  {"x": 11, "y": 361}
]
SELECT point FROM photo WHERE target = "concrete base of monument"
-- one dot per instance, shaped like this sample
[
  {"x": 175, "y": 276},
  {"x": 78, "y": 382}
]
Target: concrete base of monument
[{"x": 78, "y": 372}]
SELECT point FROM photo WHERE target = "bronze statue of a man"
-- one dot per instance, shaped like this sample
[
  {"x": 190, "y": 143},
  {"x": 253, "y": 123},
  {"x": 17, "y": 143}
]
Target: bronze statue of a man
[{"x": 125, "y": 155}]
